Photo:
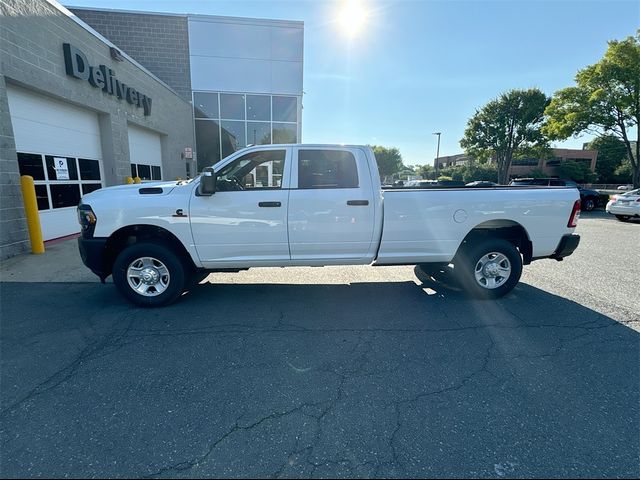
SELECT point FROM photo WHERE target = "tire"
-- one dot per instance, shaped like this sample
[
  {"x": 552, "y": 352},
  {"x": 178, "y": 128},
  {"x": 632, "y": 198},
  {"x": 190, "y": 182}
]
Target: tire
[
  {"x": 149, "y": 274},
  {"x": 490, "y": 269},
  {"x": 588, "y": 204},
  {"x": 623, "y": 218}
]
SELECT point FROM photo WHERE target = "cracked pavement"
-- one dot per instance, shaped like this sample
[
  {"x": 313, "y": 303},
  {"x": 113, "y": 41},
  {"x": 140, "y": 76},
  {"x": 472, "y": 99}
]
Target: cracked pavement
[{"x": 336, "y": 372}]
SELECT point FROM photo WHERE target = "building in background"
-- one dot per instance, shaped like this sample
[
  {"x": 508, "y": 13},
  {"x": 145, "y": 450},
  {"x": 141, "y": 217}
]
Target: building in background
[
  {"x": 244, "y": 76},
  {"x": 523, "y": 166},
  {"x": 77, "y": 114}
]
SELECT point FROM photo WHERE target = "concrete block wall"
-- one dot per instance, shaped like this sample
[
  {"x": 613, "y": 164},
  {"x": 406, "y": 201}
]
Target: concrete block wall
[
  {"x": 159, "y": 42},
  {"x": 13, "y": 227},
  {"x": 31, "y": 56}
]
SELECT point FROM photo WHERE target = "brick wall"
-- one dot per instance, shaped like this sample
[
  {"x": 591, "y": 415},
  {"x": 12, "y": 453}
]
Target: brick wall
[
  {"x": 159, "y": 42},
  {"x": 31, "y": 56}
]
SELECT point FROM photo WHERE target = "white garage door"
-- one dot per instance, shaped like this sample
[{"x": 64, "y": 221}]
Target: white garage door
[
  {"x": 145, "y": 153},
  {"x": 58, "y": 144}
]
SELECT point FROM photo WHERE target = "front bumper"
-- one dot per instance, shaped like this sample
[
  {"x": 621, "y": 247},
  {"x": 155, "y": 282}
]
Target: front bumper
[
  {"x": 566, "y": 247},
  {"x": 92, "y": 254}
]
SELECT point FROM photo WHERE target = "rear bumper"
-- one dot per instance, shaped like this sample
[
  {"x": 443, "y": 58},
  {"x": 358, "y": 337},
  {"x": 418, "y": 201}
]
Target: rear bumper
[
  {"x": 566, "y": 247},
  {"x": 91, "y": 252}
]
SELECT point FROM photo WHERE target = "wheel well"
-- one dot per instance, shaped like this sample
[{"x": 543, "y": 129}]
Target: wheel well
[
  {"x": 505, "y": 229},
  {"x": 132, "y": 234}
]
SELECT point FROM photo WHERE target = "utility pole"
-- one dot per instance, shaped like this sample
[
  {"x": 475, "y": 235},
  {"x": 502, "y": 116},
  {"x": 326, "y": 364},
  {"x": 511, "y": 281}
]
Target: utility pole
[{"x": 437, "y": 152}]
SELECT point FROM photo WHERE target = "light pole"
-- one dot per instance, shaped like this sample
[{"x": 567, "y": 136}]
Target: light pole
[{"x": 437, "y": 152}]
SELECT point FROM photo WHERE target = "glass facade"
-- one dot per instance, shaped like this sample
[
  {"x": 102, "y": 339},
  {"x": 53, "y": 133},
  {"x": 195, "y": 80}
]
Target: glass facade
[{"x": 226, "y": 122}]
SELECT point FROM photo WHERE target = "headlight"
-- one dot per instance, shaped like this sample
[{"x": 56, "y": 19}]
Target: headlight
[{"x": 86, "y": 218}]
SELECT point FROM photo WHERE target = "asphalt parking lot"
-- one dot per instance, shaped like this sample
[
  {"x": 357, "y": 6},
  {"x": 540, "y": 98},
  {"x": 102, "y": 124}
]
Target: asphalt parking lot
[{"x": 331, "y": 372}]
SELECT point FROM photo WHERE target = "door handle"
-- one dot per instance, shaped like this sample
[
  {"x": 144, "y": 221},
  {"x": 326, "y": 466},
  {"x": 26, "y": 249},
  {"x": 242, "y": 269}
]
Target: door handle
[
  {"x": 269, "y": 204},
  {"x": 356, "y": 203}
]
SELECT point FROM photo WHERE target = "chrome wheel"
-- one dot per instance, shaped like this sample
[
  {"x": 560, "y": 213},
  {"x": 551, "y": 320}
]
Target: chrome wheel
[
  {"x": 148, "y": 276},
  {"x": 492, "y": 270}
]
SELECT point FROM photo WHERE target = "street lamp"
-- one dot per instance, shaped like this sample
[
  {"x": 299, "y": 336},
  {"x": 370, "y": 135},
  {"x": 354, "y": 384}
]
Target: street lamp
[{"x": 437, "y": 152}]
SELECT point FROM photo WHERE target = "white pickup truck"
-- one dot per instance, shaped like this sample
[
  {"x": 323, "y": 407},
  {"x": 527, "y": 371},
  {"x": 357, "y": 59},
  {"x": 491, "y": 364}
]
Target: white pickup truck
[{"x": 315, "y": 205}]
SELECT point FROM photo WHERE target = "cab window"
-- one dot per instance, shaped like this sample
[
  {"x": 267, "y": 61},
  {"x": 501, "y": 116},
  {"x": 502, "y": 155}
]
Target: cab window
[
  {"x": 256, "y": 170},
  {"x": 327, "y": 169}
]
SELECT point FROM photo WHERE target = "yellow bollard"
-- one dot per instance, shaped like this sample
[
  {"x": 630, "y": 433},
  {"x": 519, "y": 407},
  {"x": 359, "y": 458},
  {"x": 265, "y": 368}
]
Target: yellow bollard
[
  {"x": 31, "y": 211},
  {"x": 128, "y": 180},
  {"x": 137, "y": 180}
]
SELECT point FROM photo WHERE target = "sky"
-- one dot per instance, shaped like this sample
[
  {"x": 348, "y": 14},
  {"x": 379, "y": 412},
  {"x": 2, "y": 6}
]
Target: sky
[{"x": 408, "y": 68}]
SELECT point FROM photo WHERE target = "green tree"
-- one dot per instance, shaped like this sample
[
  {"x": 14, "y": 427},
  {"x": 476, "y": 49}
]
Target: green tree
[
  {"x": 605, "y": 100},
  {"x": 389, "y": 160},
  {"x": 505, "y": 127},
  {"x": 577, "y": 171},
  {"x": 611, "y": 153}
]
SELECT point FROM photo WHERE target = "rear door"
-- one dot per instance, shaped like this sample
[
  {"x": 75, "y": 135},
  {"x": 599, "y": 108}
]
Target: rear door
[{"x": 331, "y": 206}]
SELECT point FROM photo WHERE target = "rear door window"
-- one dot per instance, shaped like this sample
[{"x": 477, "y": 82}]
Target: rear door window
[{"x": 327, "y": 169}]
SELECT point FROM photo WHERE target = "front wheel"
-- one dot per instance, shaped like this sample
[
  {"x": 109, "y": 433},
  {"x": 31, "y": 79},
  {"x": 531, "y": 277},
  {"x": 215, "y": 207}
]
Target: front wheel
[
  {"x": 490, "y": 269},
  {"x": 149, "y": 275}
]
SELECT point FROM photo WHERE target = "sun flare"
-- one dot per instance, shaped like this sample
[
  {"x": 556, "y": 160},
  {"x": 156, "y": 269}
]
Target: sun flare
[{"x": 352, "y": 17}]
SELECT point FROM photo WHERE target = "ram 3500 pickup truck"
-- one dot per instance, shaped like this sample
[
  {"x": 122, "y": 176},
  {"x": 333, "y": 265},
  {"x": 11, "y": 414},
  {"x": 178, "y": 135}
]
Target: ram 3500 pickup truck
[{"x": 316, "y": 205}]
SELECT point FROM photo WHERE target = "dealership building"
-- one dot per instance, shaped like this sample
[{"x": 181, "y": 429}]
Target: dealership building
[{"x": 90, "y": 97}]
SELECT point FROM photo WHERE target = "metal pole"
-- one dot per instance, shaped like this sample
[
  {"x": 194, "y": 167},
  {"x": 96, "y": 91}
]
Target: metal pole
[
  {"x": 437, "y": 152},
  {"x": 31, "y": 212}
]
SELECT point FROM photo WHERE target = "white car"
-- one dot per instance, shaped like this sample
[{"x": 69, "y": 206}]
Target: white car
[
  {"x": 625, "y": 205},
  {"x": 625, "y": 187}
]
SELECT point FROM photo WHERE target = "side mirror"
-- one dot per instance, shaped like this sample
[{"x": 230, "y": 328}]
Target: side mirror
[{"x": 207, "y": 185}]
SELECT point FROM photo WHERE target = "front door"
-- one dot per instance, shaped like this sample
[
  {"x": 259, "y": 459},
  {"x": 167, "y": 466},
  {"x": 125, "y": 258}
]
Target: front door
[{"x": 244, "y": 222}]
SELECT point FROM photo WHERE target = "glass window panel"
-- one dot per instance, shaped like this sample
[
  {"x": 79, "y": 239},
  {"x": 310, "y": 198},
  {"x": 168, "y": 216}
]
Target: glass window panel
[
  {"x": 90, "y": 187},
  {"x": 258, "y": 133},
  {"x": 232, "y": 106},
  {"x": 71, "y": 167},
  {"x": 134, "y": 170},
  {"x": 259, "y": 107},
  {"x": 144, "y": 172},
  {"x": 205, "y": 105},
  {"x": 253, "y": 170},
  {"x": 89, "y": 169},
  {"x": 156, "y": 173},
  {"x": 285, "y": 109},
  {"x": 42, "y": 197},
  {"x": 31, "y": 164},
  {"x": 232, "y": 137},
  {"x": 207, "y": 143},
  {"x": 285, "y": 133},
  {"x": 65, "y": 195},
  {"x": 327, "y": 169}
]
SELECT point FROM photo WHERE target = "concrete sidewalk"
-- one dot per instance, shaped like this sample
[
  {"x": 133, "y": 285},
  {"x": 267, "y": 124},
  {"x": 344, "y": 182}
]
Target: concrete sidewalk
[{"x": 60, "y": 262}]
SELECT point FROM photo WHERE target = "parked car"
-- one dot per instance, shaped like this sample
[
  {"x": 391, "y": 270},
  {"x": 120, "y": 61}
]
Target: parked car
[
  {"x": 625, "y": 187},
  {"x": 590, "y": 198},
  {"x": 481, "y": 183},
  {"x": 326, "y": 208},
  {"x": 625, "y": 206}
]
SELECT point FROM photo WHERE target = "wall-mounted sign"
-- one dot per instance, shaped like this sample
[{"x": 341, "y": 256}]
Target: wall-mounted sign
[
  {"x": 61, "y": 168},
  {"x": 188, "y": 152},
  {"x": 77, "y": 65}
]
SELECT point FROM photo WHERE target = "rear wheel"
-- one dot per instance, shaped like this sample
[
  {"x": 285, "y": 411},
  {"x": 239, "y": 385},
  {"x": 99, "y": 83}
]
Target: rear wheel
[
  {"x": 623, "y": 218},
  {"x": 489, "y": 269},
  {"x": 149, "y": 275},
  {"x": 589, "y": 204}
]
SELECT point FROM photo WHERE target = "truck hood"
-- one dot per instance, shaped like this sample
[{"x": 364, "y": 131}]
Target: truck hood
[{"x": 135, "y": 190}]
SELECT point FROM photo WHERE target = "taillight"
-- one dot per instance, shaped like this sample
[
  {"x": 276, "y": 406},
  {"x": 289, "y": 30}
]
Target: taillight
[{"x": 575, "y": 215}]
